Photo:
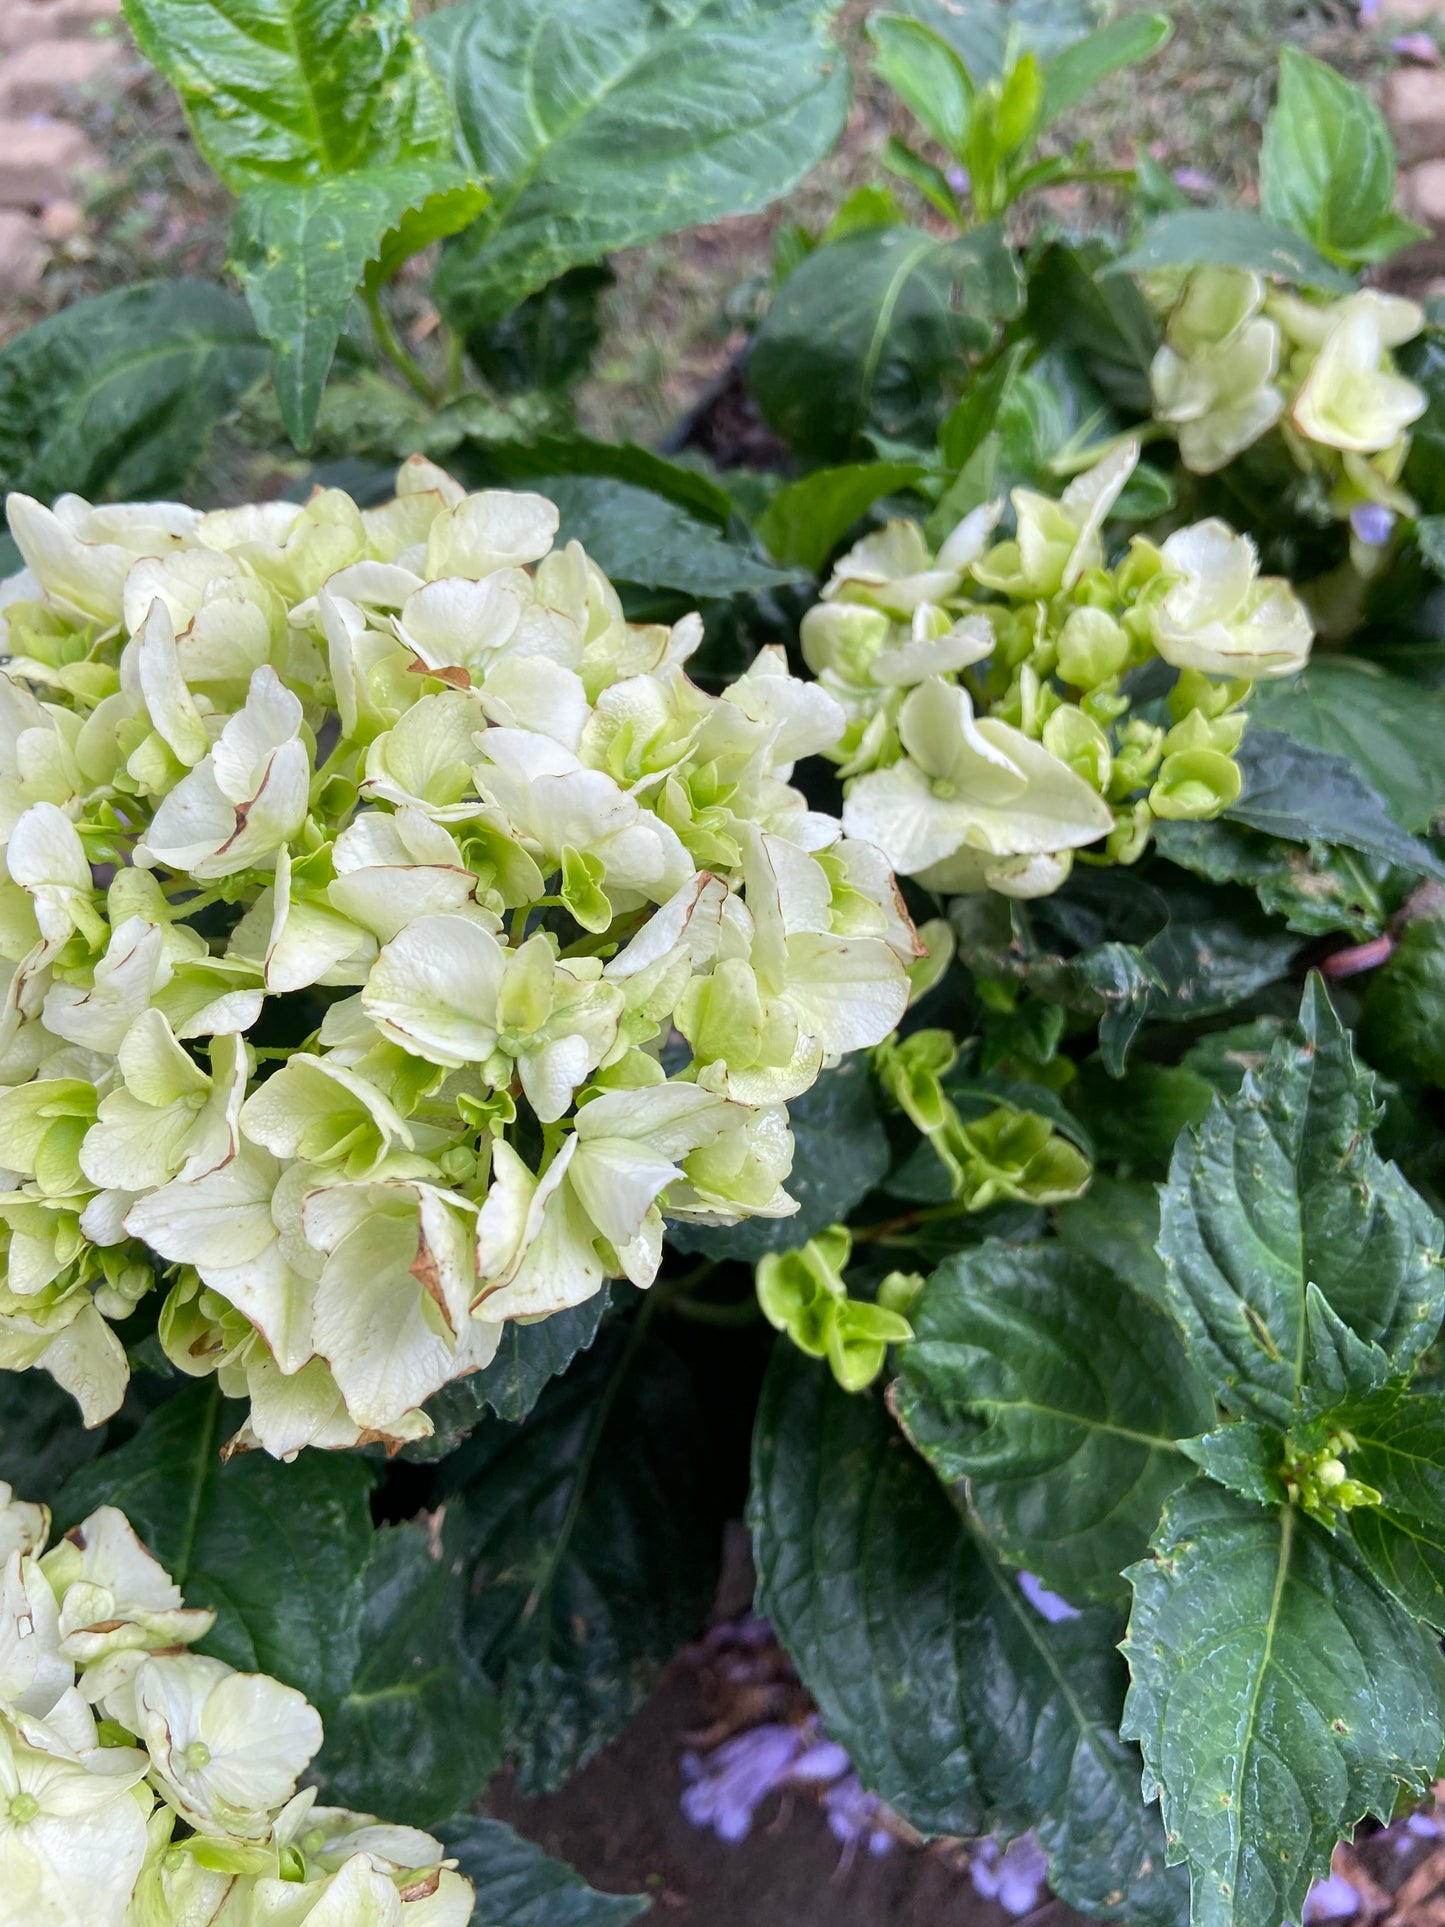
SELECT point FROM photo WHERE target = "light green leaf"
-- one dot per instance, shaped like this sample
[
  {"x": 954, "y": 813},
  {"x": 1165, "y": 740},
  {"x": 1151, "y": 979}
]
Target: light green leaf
[
  {"x": 1281, "y": 1190},
  {"x": 279, "y": 1550},
  {"x": 806, "y": 520},
  {"x": 1278, "y": 1695},
  {"x": 520, "y": 1886},
  {"x": 1050, "y": 1387},
  {"x": 1327, "y": 167},
  {"x": 1400, "y": 1450},
  {"x": 417, "y": 1733},
  {"x": 301, "y": 250},
  {"x": 927, "y": 75},
  {"x": 1390, "y": 729},
  {"x": 1073, "y": 74},
  {"x": 116, "y": 396},
  {"x": 871, "y": 334},
  {"x": 981, "y": 30},
  {"x": 958, "y": 1703},
  {"x": 1208, "y": 237},
  {"x": 294, "y": 90},
  {"x": 601, "y": 124},
  {"x": 594, "y": 1536}
]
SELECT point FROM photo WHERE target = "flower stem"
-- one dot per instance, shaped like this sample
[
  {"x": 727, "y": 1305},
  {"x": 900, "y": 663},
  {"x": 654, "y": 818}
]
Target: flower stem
[{"x": 391, "y": 346}]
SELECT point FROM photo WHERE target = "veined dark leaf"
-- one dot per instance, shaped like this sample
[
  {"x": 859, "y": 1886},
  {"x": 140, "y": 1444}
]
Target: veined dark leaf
[
  {"x": 1278, "y": 1695},
  {"x": 636, "y": 536},
  {"x": 280, "y": 1551},
  {"x": 300, "y": 251},
  {"x": 1390, "y": 729},
  {"x": 1116, "y": 1223},
  {"x": 417, "y": 1733},
  {"x": 1400, "y": 1450},
  {"x": 643, "y": 468},
  {"x": 1306, "y": 794},
  {"x": 293, "y": 90},
  {"x": 957, "y": 1701},
  {"x": 41, "y": 1443},
  {"x": 520, "y": 1886},
  {"x": 601, "y": 124},
  {"x": 528, "y": 1357},
  {"x": 981, "y": 29},
  {"x": 869, "y": 334},
  {"x": 1046, "y": 1383},
  {"x": 595, "y": 1533},
  {"x": 1281, "y": 1191},
  {"x": 116, "y": 396},
  {"x": 1402, "y": 1027},
  {"x": 1316, "y": 889},
  {"x": 1244, "y": 1457}
]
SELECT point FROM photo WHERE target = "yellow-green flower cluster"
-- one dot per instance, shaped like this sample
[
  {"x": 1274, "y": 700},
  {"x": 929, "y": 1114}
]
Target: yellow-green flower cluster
[
  {"x": 393, "y": 935},
  {"x": 142, "y": 1785},
  {"x": 991, "y": 734},
  {"x": 1239, "y": 359}
]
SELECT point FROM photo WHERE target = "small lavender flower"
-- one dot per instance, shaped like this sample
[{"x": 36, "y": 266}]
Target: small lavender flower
[
  {"x": 1331, "y": 1899},
  {"x": 726, "y": 1789},
  {"x": 1416, "y": 46},
  {"x": 1193, "y": 181},
  {"x": 1369, "y": 12},
  {"x": 1423, "y": 1826},
  {"x": 1047, "y": 1604},
  {"x": 1015, "y": 1876},
  {"x": 1372, "y": 523},
  {"x": 957, "y": 178},
  {"x": 855, "y": 1816}
]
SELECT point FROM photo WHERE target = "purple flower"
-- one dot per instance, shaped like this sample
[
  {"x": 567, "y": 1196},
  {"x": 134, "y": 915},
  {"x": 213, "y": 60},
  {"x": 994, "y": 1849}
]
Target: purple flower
[
  {"x": 1372, "y": 523},
  {"x": 1192, "y": 181},
  {"x": 1416, "y": 46},
  {"x": 726, "y": 1789},
  {"x": 1047, "y": 1604},
  {"x": 1369, "y": 12},
  {"x": 1015, "y": 1876},
  {"x": 855, "y": 1817},
  {"x": 1424, "y": 1826},
  {"x": 957, "y": 178},
  {"x": 1332, "y": 1899}
]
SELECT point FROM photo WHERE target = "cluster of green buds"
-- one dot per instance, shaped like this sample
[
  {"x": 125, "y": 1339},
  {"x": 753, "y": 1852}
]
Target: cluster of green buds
[
  {"x": 803, "y": 1294},
  {"x": 1008, "y": 1155},
  {"x": 1240, "y": 359},
  {"x": 143, "y": 1785},
  {"x": 991, "y": 732},
  {"x": 393, "y": 937},
  {"x": 1319, "y": 1480}
]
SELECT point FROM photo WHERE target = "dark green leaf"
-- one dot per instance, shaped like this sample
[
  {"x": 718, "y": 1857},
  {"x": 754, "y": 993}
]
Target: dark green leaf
[
  {"x": 1281, "y": 1189},
  {"x": 1430, "y": 534},
  {"x": 840, "y": 1151},
  {"x": 1400, "y": 1450},
  {"x": 532, "y": 454},
  {"x": 806, "y": 520},
  {"x": 958, "y": 1703},
  {"x": 527, "y": 1358},
  {"x": 520, "y": 1886},
  {"x": 1423, "y": 360},
  {"x": 1402, "y": 1027},
  {"x": 117, "y": 395},
  {"x": 1278, "y": 1695},
  {"x": 1134, "y": 1120},
  {"x": 594, "y": 1535},
  {"x": 1207, "y": 237},
  {"x": 1327, "y": 167},
  {"x": 1317, "y": 890},
  {"x": 1305, "y": 794},
  {"x": 41, "y": 1440},
  {"x": 547, "y": 342},
  {"x": 291, "y": 90},
  {"x": 1102, "y": 318},
  {"x": 635, "y": 536},
  {"x": 300, "y": 252},
  {"x": 971, "y": 421},
  {"x": 871, "y": 332},
  {"x": 601, "y": 124},
  {"x": 280, "y": 1551},
  {"x": 417, "y": 1734},
  {"x": 1047, "y": 1383},
  {"x": 1246, "y": 1458},
  {"x": 1116, "y": 1223},
  {"x": 1074, "y": 74},
  {"x": 1390, "y": 729}
]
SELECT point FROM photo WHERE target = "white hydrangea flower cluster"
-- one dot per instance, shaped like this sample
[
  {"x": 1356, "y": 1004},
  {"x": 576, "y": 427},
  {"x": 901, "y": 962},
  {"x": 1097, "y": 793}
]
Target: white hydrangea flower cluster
[
  {"x": 1239, "y": 359},
  {"x": 989, "y": 735},
  {"x": 394, "y": 936},
  {"x": 142, "y": 1785}
]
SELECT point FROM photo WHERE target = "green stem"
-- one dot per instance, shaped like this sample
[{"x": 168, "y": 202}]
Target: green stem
[{"x": 391, "y": 346}]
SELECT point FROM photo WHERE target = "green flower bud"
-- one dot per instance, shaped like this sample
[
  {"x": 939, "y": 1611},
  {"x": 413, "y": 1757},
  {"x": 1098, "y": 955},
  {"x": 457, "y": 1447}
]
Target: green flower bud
[
  {"x": 1014, "y": 1155},
  {"x": 1141, "y": 745},
  {"x": 911, "y": 1073},
  {"x": 1195, "y": 785},
  {"x": 1093, "y": 648},
  {"x": 1129, "y": 838},
  {"x": 928, "y": 971},
  {"x": 1079, "y": 742},
  {"x": 859, "y": 1335},
  {"x": 901, "y": 1290}
]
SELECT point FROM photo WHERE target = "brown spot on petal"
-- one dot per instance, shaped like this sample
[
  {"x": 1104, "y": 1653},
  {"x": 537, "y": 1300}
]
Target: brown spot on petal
[
  {"x": 425, "y": 1269},
  {"x": 450, "y": 672},
  {"x": 423, "y": 1888}
]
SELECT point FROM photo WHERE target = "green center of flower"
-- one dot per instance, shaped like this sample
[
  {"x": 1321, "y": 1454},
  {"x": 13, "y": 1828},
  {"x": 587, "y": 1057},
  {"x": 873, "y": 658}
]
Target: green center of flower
[
  {"x": 23, "y": 1807},
  {"x": 198, "y": 1754},
  {"x": 943, "y": 788}
]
